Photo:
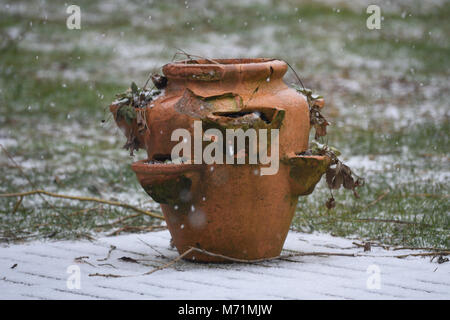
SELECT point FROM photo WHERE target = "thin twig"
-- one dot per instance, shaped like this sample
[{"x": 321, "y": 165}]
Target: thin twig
[
  {"x": 82, "y": 260},
  {"x": 17, "y": 205},
  {"x": 106, "y": 275},
  {"x": 111, "y": 249},
  {"x": 119, "y": 220},
  {"x": 56, "y": 195},
  {"x": 189, "y": 56},
  {"x": 285, "y": 257},
  {"x": 419, "y": 248},
  {"x": 438, "y": 253},
  {"x": 20, "y": 168},
  {"x": 181, "y": 256},
  {"x": 146, "y": 82},
  {"x": 425, "y": 254},
  {"x": 381, "y": 197},
  {"x": 295, "y": 73},
  {"x": 292, "y": 254},
  {"x": 107, "y": 264},
  {"x": 151, "y": 247},
  {"x": 320, "y": 254},
  {"x": 231, "y": 258},
  {"x": 84, "y": 210}
]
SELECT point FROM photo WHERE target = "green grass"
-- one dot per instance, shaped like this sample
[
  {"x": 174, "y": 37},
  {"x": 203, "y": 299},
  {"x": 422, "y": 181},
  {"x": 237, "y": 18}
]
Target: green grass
[
  {"x": 410, "y": 213},
  {"x": 54, "y": 119},
  {"x": 423, "y": 139}
]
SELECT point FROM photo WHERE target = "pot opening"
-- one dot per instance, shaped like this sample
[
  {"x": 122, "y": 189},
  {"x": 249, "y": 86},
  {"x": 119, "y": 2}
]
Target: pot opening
[
  {"x": 268, "y": 115},
  {"x": 161, "y": 159},
  {"x": 217, "y": 69},
  {"x": 224, "y": 61},
  {"x": 239, "y": 114}
]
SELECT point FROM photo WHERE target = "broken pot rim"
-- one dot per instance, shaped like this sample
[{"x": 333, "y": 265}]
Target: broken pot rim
[{"x": 217, "y": 69}]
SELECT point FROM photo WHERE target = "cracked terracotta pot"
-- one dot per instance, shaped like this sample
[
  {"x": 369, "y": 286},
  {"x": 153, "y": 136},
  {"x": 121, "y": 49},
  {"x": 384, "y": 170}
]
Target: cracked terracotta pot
[{"x": 229, "y": 210}]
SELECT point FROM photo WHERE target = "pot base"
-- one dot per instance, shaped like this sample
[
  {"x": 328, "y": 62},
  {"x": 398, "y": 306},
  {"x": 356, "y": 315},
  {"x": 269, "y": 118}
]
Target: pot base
[{"x": 233, "y": 212}]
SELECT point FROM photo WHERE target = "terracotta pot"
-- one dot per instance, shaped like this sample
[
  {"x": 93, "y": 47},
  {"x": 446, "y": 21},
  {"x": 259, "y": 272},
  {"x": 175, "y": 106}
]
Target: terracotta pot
[{"x": 229, "y": 210}]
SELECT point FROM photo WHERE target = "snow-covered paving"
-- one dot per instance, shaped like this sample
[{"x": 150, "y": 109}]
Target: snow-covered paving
[{"x": 39, "y": 270}]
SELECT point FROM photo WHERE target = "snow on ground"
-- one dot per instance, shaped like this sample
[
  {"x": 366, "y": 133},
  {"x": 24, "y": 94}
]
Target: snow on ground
[{"x": 39, "y": 270}]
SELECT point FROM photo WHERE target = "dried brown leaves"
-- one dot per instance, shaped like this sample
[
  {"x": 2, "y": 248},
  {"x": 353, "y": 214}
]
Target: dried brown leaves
[
  {"x": 132, "y": 107},
  {"x": 338, "y": 174},
  {"x": 342, "y": 175},
  {"x": 132, "y": 143},
  {"x": 316, "y": 119}
]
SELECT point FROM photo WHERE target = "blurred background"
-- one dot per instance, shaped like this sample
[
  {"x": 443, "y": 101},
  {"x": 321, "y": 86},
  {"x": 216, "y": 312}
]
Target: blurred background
[{"x": 386, "y": 92}]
